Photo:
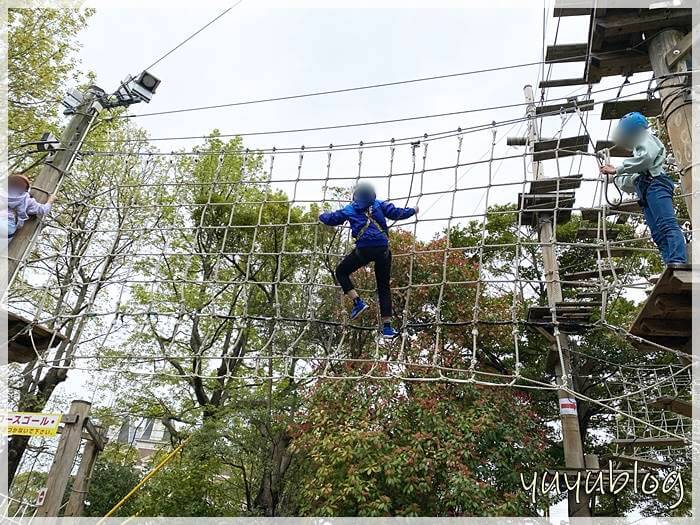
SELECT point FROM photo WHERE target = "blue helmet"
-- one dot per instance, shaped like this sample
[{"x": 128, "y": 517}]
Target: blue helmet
[
  {"x": 364, "y": 194},
  {"x": 632, "y": 123}
]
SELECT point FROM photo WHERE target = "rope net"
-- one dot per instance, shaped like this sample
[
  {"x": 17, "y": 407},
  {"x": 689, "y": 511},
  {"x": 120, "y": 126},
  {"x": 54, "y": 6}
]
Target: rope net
[{"x": 209, "y": 263}]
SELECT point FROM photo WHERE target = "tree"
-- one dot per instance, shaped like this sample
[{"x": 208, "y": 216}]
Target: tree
[
  {"x": 41, "y": 63},
  {"x": 84, "y": 251}
]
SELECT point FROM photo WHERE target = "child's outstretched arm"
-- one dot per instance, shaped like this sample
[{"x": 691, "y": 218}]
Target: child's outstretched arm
[
  {"x": 34, "y": 207},
  {"x": 397, "y": 214},
  {"x": 333, "y": 218}
]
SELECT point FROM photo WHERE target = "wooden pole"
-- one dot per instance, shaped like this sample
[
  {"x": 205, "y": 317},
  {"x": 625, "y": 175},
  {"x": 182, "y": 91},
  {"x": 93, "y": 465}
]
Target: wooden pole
[
  {"x": 81, "y": 483},
  {"x": 49, "y": 179},
  {"x": 676, "y": 108},
  {"x": 571, "y": 432},
  {"x": 60, "y": 470}
]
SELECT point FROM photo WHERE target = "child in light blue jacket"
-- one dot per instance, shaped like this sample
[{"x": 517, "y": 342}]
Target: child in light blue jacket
[
  {"x": 644, "y": 174},
  {"x": 21, "y": 205}
]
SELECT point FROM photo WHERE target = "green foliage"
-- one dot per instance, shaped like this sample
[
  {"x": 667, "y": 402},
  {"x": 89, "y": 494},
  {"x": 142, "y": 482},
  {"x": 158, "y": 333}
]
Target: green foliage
[
  {"x": 415, "y": 449},
  {"x": 41, "y": 65},
  {"x": 115, "y": 473}
]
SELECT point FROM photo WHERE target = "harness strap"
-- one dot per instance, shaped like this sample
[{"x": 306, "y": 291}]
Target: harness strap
[{"x": 371, "y": 220}]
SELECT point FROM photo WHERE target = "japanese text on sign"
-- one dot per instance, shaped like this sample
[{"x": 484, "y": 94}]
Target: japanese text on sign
[{"x": 31, "y": 424}]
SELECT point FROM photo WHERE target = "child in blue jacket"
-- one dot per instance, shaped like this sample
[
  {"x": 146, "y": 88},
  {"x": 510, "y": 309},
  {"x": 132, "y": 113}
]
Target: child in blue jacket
[
  {"x": 367, "y": 217},
  {"x": 644, "y": 175}
]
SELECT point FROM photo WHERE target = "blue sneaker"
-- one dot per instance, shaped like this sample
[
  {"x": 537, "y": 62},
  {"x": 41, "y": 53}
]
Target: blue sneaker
[
  {"x": 389, "y": 333},
  {"x": 359, "y": 307}
]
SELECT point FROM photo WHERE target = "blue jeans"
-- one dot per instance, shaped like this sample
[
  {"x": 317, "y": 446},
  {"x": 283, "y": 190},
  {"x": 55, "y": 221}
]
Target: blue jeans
[
  {"x": 11, "y": 228},
  {"x": 656, "y": 199}
]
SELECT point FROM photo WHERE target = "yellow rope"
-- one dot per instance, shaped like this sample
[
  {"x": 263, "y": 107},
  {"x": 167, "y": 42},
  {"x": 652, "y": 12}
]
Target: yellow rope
[{"x": 148, "y": 476}]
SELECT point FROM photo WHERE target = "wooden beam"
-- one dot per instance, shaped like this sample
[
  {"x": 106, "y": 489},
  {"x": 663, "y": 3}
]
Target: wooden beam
[
  {"x": 62, "y": 464},
  {"x": 681, "y": 49},
  {"x": 95, "y": 434},
  {"x": 630, "y": 21}
]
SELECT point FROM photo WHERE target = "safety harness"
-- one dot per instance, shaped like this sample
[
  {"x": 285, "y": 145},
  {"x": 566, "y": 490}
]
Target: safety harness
[{"x": 371, "y": 220}]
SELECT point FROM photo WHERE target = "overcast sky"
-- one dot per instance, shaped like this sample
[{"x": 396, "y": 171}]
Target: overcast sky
[{"x": 255, "y": 52}]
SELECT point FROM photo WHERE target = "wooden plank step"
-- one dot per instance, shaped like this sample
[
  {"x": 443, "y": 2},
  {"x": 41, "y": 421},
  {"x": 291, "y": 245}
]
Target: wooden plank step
[
  {"x": 571, "y": 11},
  {"x": 631, "y": 460},
  {"x": 566, "y": 107},
  {"x": 591, "y": 295},
  {"x": 650, "y": 442},
  {"x": 534, "y": 204},
  {"x": 615, "y": 151},
  {"x": 672, "y": 404},
  {"x": 571, "y": 311},
  {"x": 564, "y": 147},
  {"x": 592, "y": 274},
  {"x": 626, "y": 208},
  {"x": 555, "y": 184},
  {"x": 591, "y": 304},
  {"x": 618, "y": 252},
  {"x": 618, "y": 62},
  {"x": 563, "y": 82},
  {"x": 617, "y": 109},
  {"x": 593, "y": 233},
  {"x": 566, "y": 53}
]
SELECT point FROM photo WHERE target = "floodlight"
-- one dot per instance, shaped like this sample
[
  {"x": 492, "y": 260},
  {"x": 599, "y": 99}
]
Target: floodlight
[
  {"x": 143, "y": 86},
  {"x": 71, "y": 101}
]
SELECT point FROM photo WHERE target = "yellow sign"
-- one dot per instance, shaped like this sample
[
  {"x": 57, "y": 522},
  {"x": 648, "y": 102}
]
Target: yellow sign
[{"x": 30, "y": 424}]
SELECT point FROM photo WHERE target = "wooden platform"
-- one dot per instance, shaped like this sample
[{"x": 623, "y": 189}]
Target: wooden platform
[
  {"x": 618, "y": 39},
  {"x": 666, "y": 316},
  {"x": 23, "y": 346},
  {"x": 682, "y": 407}
]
